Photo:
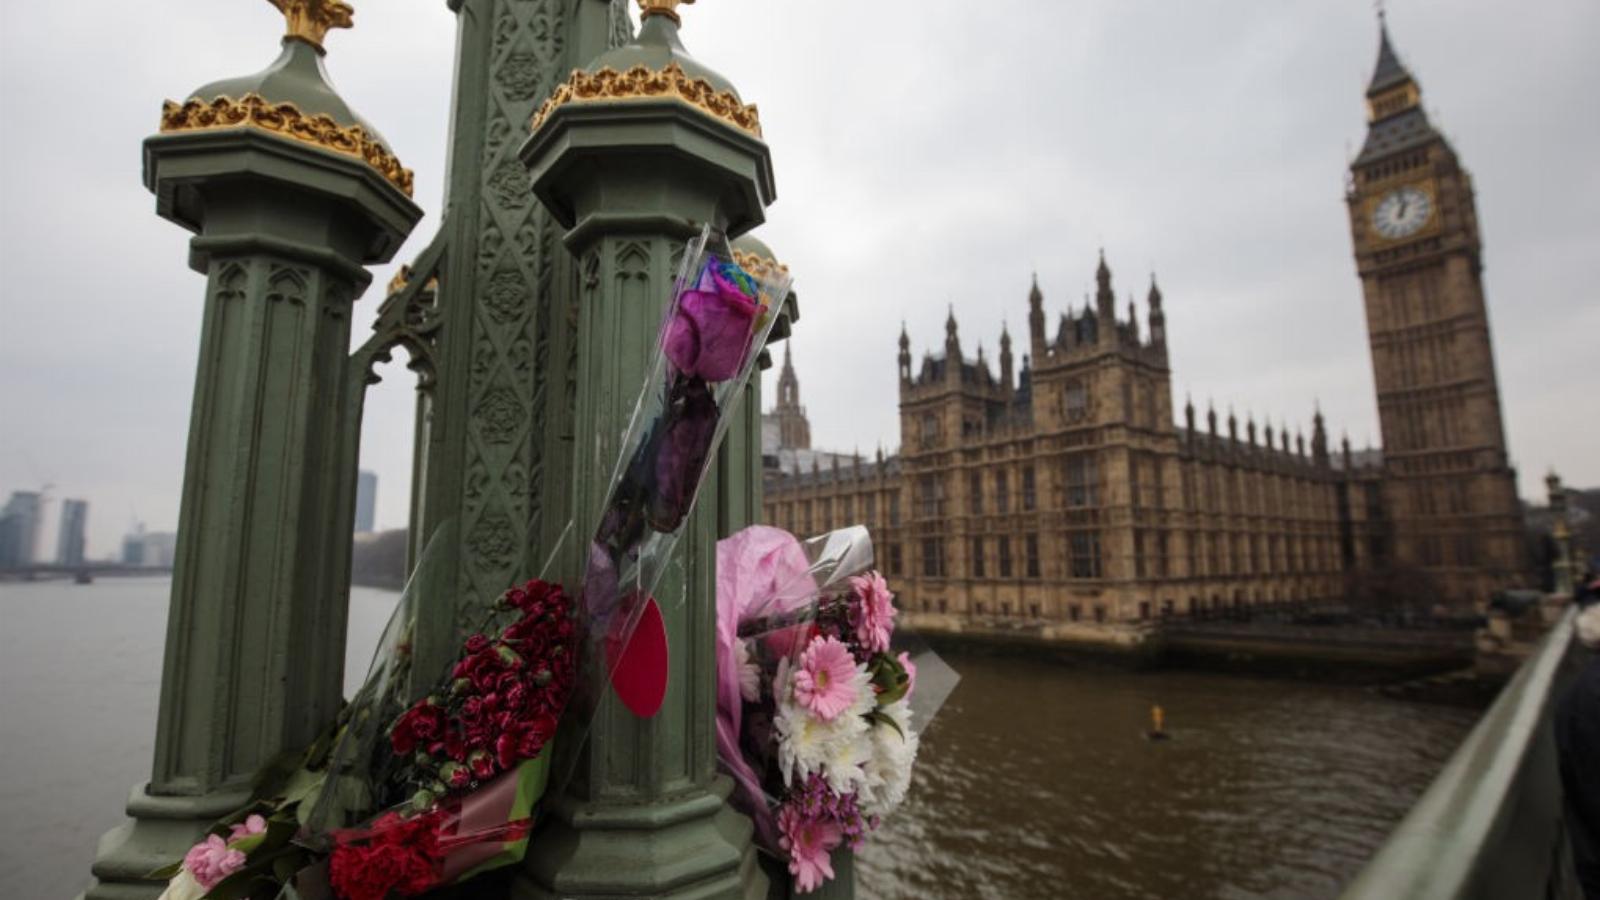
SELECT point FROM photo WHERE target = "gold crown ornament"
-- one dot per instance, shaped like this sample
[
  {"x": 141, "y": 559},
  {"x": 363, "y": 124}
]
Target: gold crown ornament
[
  {"x": 311, "y": 20},
  {"x": 668, "y": 8}
]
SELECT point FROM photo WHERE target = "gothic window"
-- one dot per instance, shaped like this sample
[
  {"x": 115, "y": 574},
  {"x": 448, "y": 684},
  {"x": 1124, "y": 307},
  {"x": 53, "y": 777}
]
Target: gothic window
[
  {"x": 806, "y": 517},
  {"x": 1081, "y": 478},
  {"x": 1005, "y": 557},
  {"x": 1138, "y": 554},
  {"x": 1029, "y": 494},
  {"x": 1084, "y": 551},
  {"x": 1002, "y": 497},
  {"x": 894, "y": 507},
  {"x": 975, "y": 493},
  {"x": 1032, "y": 555},
  {"x": 930, "y": 429},
  {"x": 932, "y": 558},
  {"x": 896, "y": 563},
  {"x": 869, "y": 508},
  {"x": 844, "y": 509},
  {"x": 927, "y": 497},
  {"x": 1075, "y": 401},
  {"x": 977, "y": 558},
  {"x": 1431, "y": 555},
  {"x": 1161, "y": 554}
]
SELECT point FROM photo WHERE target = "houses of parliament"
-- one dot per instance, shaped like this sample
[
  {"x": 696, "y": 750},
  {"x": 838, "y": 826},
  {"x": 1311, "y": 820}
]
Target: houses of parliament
[{"x": 1067, "y": 489}]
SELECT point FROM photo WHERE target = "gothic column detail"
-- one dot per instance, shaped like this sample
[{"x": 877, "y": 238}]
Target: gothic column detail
[
  {"x": 255, "y": 635},
  {"x": 631, "y": 180}
]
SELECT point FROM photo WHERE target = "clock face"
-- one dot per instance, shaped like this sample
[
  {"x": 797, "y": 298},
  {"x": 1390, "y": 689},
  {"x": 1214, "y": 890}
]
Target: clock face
[{"x": 1401, "y": 212}]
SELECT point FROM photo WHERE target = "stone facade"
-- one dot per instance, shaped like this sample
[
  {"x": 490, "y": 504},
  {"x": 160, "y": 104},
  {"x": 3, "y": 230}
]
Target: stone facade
[
  {"x": 1069, "y": 490},
  {"x": 1067, "y": 493}
]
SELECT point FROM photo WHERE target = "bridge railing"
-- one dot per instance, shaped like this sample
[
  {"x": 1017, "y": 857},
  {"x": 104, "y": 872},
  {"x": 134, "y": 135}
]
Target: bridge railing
[{"x": 1491, "y": 824}]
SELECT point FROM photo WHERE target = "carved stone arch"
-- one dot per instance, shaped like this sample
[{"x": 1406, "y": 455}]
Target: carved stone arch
[
  {"x": 232, "y": 282},
  {"x": 632, "y": 259},
  {"x": 286, "y": 284}
]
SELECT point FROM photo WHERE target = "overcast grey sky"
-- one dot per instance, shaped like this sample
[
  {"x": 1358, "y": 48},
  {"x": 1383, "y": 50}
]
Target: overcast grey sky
[{"x": 927, "y": 154}]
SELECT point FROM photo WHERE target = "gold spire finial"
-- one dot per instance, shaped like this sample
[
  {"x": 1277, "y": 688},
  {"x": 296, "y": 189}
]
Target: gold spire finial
[
  {"x": 668, "y": 8},
  {"x": 310, "y": 20}
]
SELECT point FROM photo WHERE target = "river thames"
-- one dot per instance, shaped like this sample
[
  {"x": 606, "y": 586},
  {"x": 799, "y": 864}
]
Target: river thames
[{"x": 1034, "y": 781}]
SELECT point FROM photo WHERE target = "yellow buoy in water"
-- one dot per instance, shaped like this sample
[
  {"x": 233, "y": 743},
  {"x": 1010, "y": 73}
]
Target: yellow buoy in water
[{"x": 1158, "y": 718}]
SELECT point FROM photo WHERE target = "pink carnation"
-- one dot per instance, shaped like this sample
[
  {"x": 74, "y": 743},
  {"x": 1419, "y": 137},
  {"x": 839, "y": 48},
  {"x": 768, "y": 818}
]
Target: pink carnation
[
  {"x": 825, "y": 682},
  {"x": 872, "y": 615},
  {"x": 212, "y": 860},
  {"x": 253, "y": 824},
  {"x": 808, "y": 840},
  {"x": 911, "y": 673}
]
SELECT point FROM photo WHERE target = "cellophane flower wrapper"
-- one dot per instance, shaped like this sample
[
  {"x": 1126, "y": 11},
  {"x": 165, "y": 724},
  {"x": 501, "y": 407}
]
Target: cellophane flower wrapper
[
  {"x": 713, "y": 329},
  {"x": 820, "y": 699},
  {"x": 443, "y": 782}
]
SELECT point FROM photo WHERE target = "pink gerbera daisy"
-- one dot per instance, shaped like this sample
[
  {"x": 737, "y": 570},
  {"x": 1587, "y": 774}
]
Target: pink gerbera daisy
[
  {"x": 809, "y": 840},
  {"x": 872, "y": 614},
  {"x": 826, "y": 682}
]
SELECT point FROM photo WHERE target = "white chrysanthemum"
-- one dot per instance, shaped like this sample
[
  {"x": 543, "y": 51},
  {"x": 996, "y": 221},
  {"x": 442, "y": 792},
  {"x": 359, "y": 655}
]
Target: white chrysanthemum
[
  {"x": 888, "y": 772},
  {"x": 808, "y": 744},
  {"x": 749, "y": 675},
  {"x": 845, "y": 758}
]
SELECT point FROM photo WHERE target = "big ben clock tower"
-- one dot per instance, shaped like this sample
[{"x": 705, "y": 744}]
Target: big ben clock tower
[{"x": 1449, "y": 488}]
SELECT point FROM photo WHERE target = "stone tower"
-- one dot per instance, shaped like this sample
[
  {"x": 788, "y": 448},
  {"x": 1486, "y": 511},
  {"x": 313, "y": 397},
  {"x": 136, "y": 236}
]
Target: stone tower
[
  {"x": 794, "y": 429},
  {"x": 1450, "y": 487}
]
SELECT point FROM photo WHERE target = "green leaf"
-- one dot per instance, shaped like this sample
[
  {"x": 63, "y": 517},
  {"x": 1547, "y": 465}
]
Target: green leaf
[
  {"x": 302, "y": 784},
  {"x": 878, "y": 716},
  {"x": 165, "y": 873}
]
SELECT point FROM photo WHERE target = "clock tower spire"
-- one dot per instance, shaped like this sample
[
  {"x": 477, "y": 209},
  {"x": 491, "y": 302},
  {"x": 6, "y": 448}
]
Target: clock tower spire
[{"x": 1448, "y": 483}]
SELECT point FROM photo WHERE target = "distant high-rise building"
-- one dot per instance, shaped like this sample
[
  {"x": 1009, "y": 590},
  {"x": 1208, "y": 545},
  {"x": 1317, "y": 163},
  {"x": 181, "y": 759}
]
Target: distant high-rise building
[
  {"x": 366, "y": 501},
  {"x": 133, "y": 549},
  {"x": 74, "y": 522},
  {"x": 152, "y": 549},
  {"x": 159, "y": 549},
  {"x": 19, "y": 528}
]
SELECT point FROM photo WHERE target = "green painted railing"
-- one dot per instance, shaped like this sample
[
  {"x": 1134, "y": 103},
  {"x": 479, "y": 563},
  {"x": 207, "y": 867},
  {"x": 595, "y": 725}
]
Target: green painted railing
[{"x": 1491, "y": 825}]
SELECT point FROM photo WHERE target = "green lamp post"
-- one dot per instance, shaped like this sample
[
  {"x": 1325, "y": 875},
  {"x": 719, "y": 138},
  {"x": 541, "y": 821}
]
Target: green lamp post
[
  {"x": 631, "y": 156},
  {"x": 290, "y": 194}
]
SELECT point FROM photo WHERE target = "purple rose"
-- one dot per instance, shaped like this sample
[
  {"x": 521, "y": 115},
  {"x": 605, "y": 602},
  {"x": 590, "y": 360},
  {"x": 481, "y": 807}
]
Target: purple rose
[
  {"x": 710, "y": 330},
  {"x": 681, "y": 453}
]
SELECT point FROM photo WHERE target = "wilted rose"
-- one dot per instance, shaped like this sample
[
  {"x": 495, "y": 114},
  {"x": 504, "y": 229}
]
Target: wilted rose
[
  {"x": 710, "y": 330},
  {"x": 681, "y": 453}
]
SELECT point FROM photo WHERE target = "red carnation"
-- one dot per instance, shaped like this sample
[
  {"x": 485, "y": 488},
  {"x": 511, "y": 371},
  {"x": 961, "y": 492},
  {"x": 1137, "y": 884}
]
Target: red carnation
[{"x": 402, "y": 857}]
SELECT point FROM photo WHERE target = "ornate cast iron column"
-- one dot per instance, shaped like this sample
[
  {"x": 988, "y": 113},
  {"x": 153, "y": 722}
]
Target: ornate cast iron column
[
  {"x": 289, "y": 194},
  {"x": 630, "y": 156},
  {"x": 496, "y": 459}
]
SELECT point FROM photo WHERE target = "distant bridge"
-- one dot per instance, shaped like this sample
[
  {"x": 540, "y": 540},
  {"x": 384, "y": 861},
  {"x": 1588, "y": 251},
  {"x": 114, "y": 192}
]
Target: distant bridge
[{"x": 81, "y": 572}]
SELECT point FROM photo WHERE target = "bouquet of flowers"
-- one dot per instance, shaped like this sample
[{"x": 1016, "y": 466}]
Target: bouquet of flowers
[
  {"x": 814, "y": 706},
  {"x": 471, "y": 761},
  {"x": 458, "y": 774},
  {"x": 718, "y": 321}
]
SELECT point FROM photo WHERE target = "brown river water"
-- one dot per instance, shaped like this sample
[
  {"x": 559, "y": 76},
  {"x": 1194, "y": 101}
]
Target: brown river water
[{"x": 1034, "y": 781}]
